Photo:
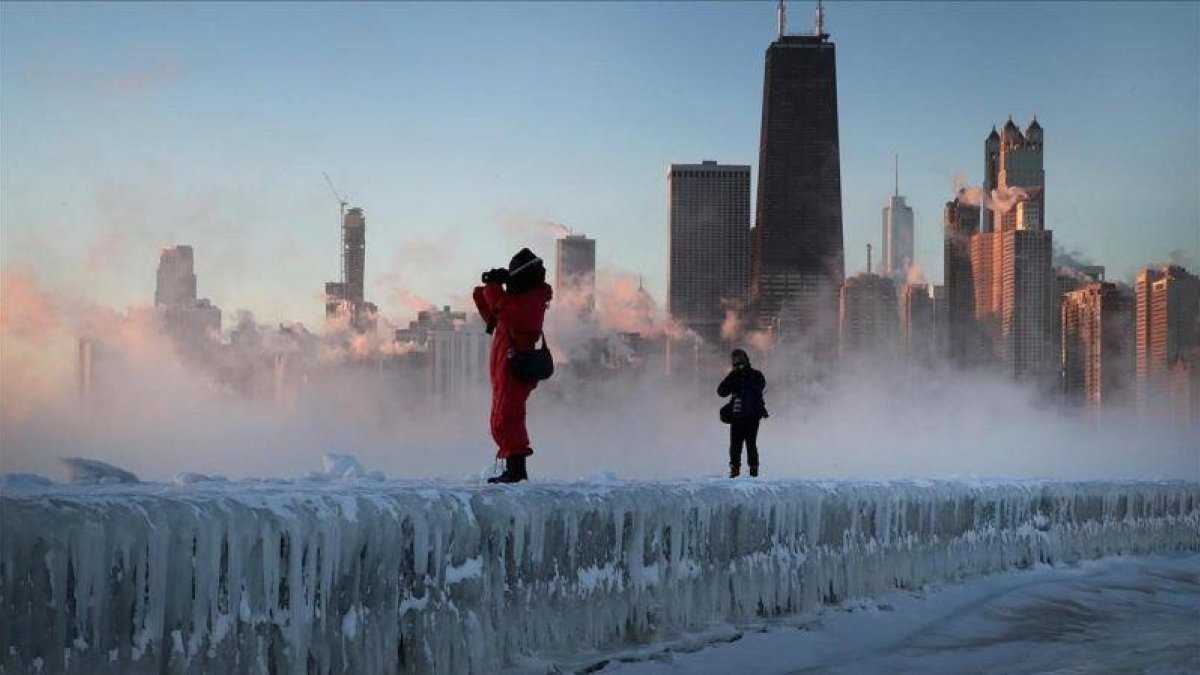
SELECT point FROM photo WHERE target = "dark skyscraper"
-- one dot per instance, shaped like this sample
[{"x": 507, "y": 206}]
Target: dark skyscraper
[
  {"x": 797, "y": 265},
  {"x": 709, "y": 244},
  {"x": 960, "y": 223},
  {"x": 575, "y": 272}
]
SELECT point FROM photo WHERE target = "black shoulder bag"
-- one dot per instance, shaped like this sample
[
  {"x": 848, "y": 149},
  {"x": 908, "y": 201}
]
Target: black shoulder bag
[{"x": 533, "y": 365}]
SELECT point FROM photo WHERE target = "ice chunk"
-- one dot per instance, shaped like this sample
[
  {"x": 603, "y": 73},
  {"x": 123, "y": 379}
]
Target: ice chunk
[
  {"x": 342, "y": 465},
  {"x": 23, "y": 481},
  {"x": 83, "y": 470}
]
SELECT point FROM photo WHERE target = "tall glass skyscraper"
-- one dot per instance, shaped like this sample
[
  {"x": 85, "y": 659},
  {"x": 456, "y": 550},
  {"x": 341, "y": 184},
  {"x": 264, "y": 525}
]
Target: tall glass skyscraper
[{"x": 798, "y": 263}]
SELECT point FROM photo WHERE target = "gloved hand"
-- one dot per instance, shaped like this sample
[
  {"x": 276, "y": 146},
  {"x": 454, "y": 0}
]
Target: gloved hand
[{"x": 498, "y": 275}]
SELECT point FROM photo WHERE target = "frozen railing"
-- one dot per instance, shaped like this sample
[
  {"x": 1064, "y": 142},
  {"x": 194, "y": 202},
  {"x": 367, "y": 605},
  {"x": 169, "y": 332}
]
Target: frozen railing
[{"x": 373, "y": 577}]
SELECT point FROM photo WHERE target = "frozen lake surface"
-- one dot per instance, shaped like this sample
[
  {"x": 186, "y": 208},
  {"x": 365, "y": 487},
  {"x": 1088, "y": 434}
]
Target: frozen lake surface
[{"x": 1118, "y": 614}]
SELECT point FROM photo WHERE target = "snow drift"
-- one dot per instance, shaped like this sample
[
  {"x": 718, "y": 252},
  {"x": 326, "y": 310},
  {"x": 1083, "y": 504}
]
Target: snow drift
[{"x": 374, "y": 577}]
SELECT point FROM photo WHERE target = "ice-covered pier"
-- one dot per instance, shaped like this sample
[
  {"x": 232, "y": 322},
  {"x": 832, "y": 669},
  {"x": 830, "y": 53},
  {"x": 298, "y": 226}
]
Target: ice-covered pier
[{"x": 386, "y": 577}]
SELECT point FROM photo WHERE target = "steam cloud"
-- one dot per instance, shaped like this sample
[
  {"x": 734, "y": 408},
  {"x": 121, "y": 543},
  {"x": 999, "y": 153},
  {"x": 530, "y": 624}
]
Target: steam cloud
[
  {"x": 872, "y": 417},
  {"x": 1001, "y": 200}
]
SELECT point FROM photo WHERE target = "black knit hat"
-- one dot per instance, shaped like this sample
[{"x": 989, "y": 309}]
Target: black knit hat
[
  {"x": 521, "y": 259},
  {"x": 525, "y": 271},
  {"x": 739, "y": 355}
]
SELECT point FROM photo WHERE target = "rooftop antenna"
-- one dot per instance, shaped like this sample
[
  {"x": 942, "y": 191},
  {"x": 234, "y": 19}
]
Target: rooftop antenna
[
  {"x": 820, "y": 19},
  {"x": 868, "y": 259},
  {"x": 781, "y": 18},
  {"x": 897, "y": 192}
]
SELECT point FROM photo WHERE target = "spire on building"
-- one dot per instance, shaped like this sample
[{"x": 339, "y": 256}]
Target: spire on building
[
  {"x": 820, "y": 24},
  {"x": 896, "y": 192},
  {"x": 781, "y": 19},
  {"x": 868, "y": 258}
]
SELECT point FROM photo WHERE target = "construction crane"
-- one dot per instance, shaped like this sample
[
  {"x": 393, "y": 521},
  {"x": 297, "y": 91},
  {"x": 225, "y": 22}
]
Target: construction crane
[{"x": 342, "y": 202}]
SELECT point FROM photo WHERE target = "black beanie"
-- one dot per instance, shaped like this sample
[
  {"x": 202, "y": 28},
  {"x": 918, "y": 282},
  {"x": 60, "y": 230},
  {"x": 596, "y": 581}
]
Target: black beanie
[
  {"x": 525, "y": 271},
  {"x": 740, "y": 355},
  {"x": 522, "y": 258}
]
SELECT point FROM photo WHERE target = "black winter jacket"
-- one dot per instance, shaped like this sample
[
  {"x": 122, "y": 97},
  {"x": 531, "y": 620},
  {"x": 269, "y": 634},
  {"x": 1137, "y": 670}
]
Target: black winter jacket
[{"x": 746, "y": 385}]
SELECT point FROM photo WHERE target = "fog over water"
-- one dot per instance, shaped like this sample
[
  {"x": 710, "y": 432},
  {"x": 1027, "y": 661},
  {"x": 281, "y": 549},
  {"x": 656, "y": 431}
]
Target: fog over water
[{"x": 876, "y": 416}]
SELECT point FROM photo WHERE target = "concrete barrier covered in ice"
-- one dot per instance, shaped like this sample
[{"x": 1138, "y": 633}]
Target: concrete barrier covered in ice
[{"x": 384, "y": 577}]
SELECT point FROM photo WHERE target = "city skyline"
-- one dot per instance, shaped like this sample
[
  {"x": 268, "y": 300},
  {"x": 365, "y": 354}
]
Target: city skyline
[{"x": 95, "y": 207}]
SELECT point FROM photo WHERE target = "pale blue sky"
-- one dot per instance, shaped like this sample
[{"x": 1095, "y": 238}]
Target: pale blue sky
[{"x": 125, "y": 127}]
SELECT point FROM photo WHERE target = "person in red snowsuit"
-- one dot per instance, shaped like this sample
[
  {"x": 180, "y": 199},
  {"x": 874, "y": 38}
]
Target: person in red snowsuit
[{"x": 514, "y": 317}]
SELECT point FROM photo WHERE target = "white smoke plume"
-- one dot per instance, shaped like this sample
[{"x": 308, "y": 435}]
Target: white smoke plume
[
  {"x": 1000, "y": 200},
  {"x": 523, "y": 227}
]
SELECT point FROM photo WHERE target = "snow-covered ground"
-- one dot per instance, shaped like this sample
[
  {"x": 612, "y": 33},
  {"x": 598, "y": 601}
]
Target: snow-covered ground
[
  {"x": 347, "y": 573},
  {"x": 1118, "y": 614}
]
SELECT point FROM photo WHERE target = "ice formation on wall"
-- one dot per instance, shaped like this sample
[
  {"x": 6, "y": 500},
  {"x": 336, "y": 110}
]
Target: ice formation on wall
[
  {"x": 81, "y": 470},
  {"x": 365, "y": 577}
]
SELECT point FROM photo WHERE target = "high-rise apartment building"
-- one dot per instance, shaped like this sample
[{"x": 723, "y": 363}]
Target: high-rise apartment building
[
  {"x": 1167, "y": 339},
  {"x": 346, "y": 297},
  {"x": 897, "y": 236},
  {"x": 193, "y": 322},
  {"x": 708, "y": 240},
  {"x": 1014, "y": 298},
  {"x": 798, "y": 263},
  {"x": 1097, "y": 344},
  {"x": 1066, "y": 280},
  {"x": 575, "y": 271},
  {"x": 868, "y": 318},
  {"x": 960, "y": 223}
]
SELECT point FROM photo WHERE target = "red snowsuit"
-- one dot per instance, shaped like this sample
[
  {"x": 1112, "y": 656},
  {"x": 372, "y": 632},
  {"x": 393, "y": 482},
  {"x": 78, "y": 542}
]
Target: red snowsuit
[{"x": 518, "y": 324}]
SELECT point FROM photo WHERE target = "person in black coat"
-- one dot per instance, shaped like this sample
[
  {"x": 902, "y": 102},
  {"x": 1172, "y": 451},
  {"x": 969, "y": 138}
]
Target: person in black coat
[{"x": 745, "y": 409}]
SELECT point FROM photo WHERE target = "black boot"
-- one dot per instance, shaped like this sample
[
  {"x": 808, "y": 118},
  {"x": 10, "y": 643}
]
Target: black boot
[
  {"x": 734, "y": 470},
  {"x": 754, "y": 471},
  {"x": 514, "y": 471}
]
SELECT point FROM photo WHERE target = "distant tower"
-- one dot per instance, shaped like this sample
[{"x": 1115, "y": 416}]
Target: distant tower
[
  {"x": 1097, "y": 344},
  {"x": 1014, "y": 300},
  {"x": 1167, "y": 340},
  {"x": 960, "y": 223},
  {"x": 192, "y": 322},
  {"x": 575, "y": 269},
  {"x": 85, "y": 371},
  {"x": 709, "y": 243},
  {"x": 918, "y": 321},
  {"x": 354, "y": 252},
  {"x": 868, "y": 317},
  {"x": 897, "y": 235},
  {"x": 1011, "y": 273},
  {"x": 346, "y": 297},
  {"x": 797, "y": 260},
  {"x": 176, "y": 284}
]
